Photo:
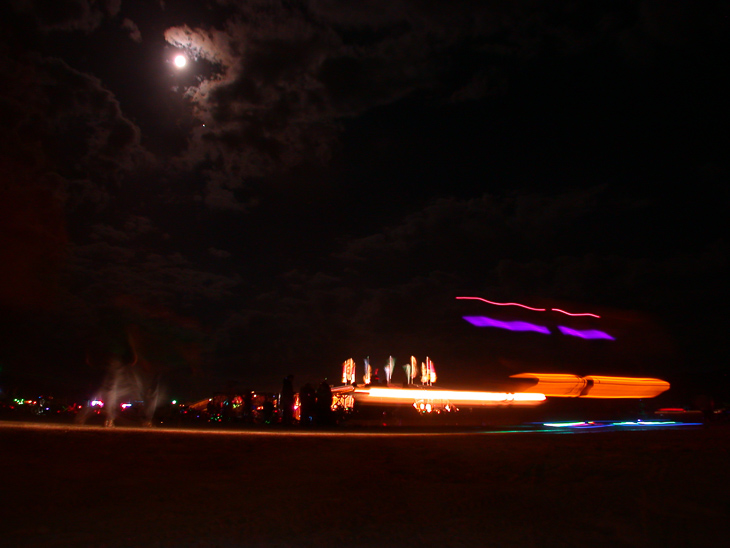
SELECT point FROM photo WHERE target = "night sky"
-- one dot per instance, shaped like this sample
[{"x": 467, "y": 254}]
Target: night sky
[{"x": 324, "y": 178}]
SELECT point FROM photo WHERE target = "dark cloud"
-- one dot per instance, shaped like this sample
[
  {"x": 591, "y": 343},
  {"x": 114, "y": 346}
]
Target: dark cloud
[
  {"x": 105, "y": 270},
  {"x": 68, "y": 15},
  {"x": 394, "y": 292},
  {"x": 66, "y": 121},
  {"x": 133, "y": 29},
  {"x": 323, "y": 178},
  {"x": 106, "y": 232},
  {"x": 290, "y": 75},
  {"x": 533, "y": 244},
  {"x": 34, "y": 236},
  {"x": 219, "y": 253}
]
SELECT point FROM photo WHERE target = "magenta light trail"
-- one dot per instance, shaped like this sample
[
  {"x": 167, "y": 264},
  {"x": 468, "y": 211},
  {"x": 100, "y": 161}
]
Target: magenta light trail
[
  {"x": 483, "y": 321},
  {"x": 531, "y": 308},
  {"x": 585, "y": 334},
  {"x": 504, "y": 304}
]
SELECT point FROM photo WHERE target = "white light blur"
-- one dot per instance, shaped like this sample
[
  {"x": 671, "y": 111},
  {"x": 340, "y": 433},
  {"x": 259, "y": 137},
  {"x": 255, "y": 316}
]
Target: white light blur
[
  {"x": 180, "y": 61},
  {"x": 455, "y": 397}
]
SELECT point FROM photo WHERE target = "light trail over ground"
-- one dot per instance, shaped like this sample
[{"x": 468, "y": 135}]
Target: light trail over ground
[{"x": 386, "y": 431}]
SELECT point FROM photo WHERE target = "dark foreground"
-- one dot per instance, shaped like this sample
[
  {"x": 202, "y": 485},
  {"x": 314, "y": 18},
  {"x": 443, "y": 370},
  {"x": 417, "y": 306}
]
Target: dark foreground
[{"x": 123, "y": 487}]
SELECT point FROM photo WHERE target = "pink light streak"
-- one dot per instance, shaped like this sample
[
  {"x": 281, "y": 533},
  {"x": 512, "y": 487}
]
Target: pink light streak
[
  {"x": 531, "y": 308},
  {"x": 504, "y": 304},
  {"x": 576, "y": 313}
]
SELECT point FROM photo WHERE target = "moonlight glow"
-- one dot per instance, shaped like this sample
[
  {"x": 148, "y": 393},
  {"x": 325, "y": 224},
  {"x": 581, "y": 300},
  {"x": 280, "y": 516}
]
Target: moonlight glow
[{"x": 180, "y": 61}]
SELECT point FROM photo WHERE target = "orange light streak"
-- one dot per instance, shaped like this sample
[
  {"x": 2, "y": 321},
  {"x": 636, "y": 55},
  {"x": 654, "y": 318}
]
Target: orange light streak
[
  {"x": 560, "y": 385},
  {"x": 624, "y": 387},
  {"x": 594, "y": 386}
]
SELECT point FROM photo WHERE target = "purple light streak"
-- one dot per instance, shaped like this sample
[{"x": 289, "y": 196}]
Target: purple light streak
[
  {"x": 585, "y": 334},
  {"x": 483, "y": 321}
]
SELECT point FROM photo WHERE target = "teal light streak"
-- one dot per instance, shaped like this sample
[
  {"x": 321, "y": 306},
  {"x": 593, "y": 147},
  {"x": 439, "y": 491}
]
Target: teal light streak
[{"x": 643, "y": 423}]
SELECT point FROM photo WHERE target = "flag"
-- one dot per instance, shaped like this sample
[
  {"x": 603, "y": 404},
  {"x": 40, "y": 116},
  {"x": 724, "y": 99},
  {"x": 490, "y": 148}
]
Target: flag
[
  {"x": 368, "y": 370},
  {"x": 431, "y": 371},
  {"x": 348, "y": 371},
  {"x": 351, "y": 377},
  {"x": 389, "y": 369}
]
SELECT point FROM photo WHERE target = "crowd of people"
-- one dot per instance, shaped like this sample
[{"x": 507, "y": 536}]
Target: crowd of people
[{"x": 314, "y": 407}]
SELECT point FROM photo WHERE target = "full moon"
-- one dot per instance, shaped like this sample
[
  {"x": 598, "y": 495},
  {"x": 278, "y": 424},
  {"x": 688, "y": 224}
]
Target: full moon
[{"x": 180, "y": 61}]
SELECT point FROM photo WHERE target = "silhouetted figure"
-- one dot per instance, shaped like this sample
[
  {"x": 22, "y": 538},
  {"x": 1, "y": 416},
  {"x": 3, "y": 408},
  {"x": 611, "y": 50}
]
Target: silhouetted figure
[
  {"x": 706, "y": 405},
  {"x": 324, "y": 404},
  {"x": 226, "y": 410},
  {"x": 376, "y": 377},
  {"x": 247, "y": 406},
  {"x": 286, "y": 401},
  {"x": 268, "y": 411},
  {"x": 308, "y": 404}
]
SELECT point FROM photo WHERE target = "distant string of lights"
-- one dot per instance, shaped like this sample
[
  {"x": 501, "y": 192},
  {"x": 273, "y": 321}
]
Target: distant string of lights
[{"x": 530, "y": 307}]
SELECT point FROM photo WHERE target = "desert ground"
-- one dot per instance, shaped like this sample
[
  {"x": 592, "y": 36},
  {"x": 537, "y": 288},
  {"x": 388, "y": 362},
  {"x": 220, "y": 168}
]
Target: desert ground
[{"x": 88, "y": 486}]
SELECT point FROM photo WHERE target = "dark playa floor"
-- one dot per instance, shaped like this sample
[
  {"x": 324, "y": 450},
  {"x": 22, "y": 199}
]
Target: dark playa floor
[{"x": 82, "y": 486}]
